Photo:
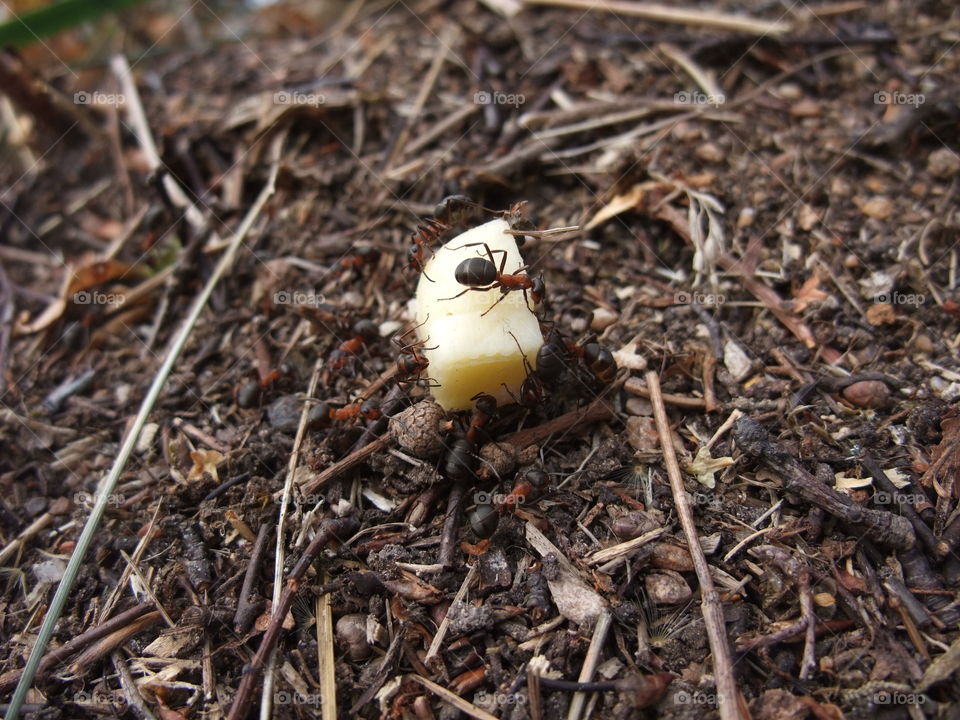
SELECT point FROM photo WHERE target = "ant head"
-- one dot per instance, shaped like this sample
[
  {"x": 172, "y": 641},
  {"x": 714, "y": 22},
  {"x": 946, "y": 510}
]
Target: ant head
[
  {"x": 367, "y": 329},
  {"x": 539, "y": 288},
  {"x": 370, "y": 409},
  {"x": 537, "y": 478},
  {"x": 450, "y": 205},
  {"x": 487, "y": 404}
]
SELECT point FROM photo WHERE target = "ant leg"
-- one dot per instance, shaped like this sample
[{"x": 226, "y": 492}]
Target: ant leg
[
  {"x": 465, "y": 292},
  {"x": 490, "y": 253},
  {"x": 512, "y": 396},
  {"x": 499, "y": 300}
]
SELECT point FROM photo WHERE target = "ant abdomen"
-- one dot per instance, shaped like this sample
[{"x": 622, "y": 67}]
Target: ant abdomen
[{"x": 475, "y": 272}]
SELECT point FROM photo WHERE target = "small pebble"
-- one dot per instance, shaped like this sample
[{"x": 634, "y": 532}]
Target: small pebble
[
  {"x": 746, "y": 217},
  {"x": 249, "y": 394},
  {"x": 867, "y": 393},
  {"x": 667, "y": 588},
  {"x": 602, "y": 319},
  {"x": 284, "y": 414},
  {"x": 351, "y": 634},
  {"x": 710, "y": 152},
  {"x": 878, "y": 208},
  {"x": 808, "y": 107},
  {"x": 639, "y": 406},
  {"x": 923, "y": 344},
  {"x": 943, "y": 163},
  {"x": 736, "y": 361},
  {"x": 633, "y": 525}
]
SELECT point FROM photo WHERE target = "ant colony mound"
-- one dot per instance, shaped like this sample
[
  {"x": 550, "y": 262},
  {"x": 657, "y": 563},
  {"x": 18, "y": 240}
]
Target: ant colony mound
[{"x": 476, "y": 330}]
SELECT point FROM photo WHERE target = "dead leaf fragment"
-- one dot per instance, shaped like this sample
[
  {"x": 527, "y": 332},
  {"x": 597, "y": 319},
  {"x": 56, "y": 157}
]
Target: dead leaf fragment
[
  {"x": 205, "y": 461},
  {"x": 881, "y": 314}
]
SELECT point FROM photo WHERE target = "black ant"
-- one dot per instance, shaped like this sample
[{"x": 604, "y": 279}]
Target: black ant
[
  {"x": 411, "y": 363},
  {"x": 322, "y": 414},
  {"x": 448, "y": 213},
  {"x": 363, "y": 332},
  {"x": 482, "y": 274}
]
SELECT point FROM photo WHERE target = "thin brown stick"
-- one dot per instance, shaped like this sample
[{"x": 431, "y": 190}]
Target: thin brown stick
[
  {"x": 57, "y": 655},
  {"x": 330, "y": 530},
  {"x": 108, "y": 643},
  {"x": 673, "y": 14},
  {"x": 247, "y": 608},
  {"x": 728, "y": 696},
  {"x": 635, "y": 386},
  {"x": 597, "y": 411},
  {"x": 341, "y": 466}
]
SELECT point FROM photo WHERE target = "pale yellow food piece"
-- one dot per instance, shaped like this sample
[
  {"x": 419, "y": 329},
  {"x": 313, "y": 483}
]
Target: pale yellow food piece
[{"x": 475, "y": 354}]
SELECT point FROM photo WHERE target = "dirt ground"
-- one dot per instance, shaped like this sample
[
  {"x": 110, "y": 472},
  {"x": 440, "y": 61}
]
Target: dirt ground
[{"x": 761, "y": 215}]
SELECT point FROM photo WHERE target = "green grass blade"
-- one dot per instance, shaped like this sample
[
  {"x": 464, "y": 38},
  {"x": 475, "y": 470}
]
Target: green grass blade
[{"x": 32, "y": 26}]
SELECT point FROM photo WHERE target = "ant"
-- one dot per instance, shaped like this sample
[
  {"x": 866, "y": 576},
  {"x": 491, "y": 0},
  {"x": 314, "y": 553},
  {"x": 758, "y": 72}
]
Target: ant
[
  {"x": 531, "y": 389},
  {"x": 525, "y": 488},
  {"x": 448, "y": 213},
  {"x": 598, "y": 359},
  {"x": 482, "y": 274},
  {"x": 485, "y": 408},
  {"x": 460, "y": 461},
  {"x": 411, "y": 363},
  {"x": 322, "y": 414},
  {"x": 363, "y": 332},
  {"x": 485, "y": 517},
  {"x": 363, "y": 256}
]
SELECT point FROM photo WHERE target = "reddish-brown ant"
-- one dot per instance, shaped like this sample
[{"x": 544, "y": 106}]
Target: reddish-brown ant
[
  {"x": 411, "y": 363},
  {"x": 483, "y": 411},
  {"x": 599, "y": 360},
  {"x": 363, "y": 256},
  {"x": 449, "y": 212},
  {"x": 482, "y": 274},
  {"x": 460, "y": 461},
  {"x": 363, "y": 332},
  {"x": 525, "y": 489},
  {"x": 322, "y": 414},
  {"x": 531, "y": 389}
]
